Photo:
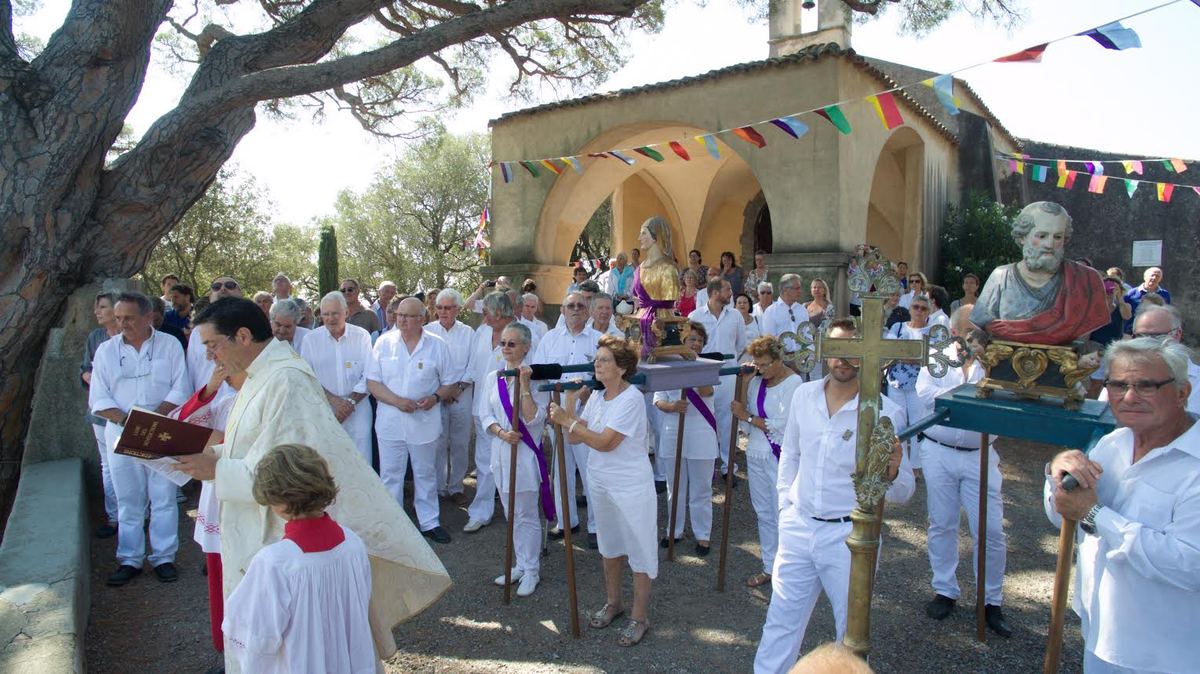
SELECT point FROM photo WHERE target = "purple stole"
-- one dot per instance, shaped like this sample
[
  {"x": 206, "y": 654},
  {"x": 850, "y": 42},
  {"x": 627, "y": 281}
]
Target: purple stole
[
  {"x": 695, "y": 399},
  {"x": 544, "y": 487},
  {"x": 647, "y": 306},
  {"x": 762, "y": 412}
]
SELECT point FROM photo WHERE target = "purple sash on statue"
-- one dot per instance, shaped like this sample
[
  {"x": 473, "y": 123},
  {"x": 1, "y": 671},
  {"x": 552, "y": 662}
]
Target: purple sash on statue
[
  {"x": 544, "y": 487},
  {"x": 695, "y": 399},
  {"x": 762, "y": 412},
  {"x": 647, "y": 306}
]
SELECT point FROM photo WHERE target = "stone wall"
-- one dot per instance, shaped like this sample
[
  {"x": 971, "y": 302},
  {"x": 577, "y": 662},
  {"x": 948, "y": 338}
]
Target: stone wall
[{"x": 1106, "y": 225}]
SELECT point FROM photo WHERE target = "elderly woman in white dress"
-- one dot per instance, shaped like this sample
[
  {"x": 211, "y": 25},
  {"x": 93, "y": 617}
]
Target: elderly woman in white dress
[
  {"x": 699, "y": 453},
  {"x": 496, "y": 418},
  {"x": 621, "y": 488}
]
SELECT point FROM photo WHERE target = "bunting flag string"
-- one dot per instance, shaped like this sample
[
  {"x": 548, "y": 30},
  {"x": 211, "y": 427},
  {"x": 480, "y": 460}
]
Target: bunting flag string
[
  {"x": 1113, "y": 35},
  {"x": 1097, "y": 181}
]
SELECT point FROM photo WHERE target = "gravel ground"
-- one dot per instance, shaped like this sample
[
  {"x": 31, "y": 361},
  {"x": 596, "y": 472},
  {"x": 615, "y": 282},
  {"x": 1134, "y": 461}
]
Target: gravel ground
[{"x": 151, "y": 627}]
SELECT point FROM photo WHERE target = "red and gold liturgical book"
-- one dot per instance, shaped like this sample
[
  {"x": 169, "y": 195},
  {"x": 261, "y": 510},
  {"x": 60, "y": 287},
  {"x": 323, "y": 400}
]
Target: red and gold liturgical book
[{"x": 149, "y": 435}]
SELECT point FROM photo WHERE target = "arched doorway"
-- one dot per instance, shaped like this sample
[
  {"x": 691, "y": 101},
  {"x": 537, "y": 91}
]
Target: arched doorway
[{"x": 894, "y": 212}]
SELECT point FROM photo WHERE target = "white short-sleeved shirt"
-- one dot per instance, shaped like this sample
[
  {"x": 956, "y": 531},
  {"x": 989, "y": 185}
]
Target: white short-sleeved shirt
[
  {"x": 699, "y": 439},
  {"x": 777, "y": 319},
  {"x": 410, "y": 375},
  {"x": 625, "y": 414},
  {"x": 124, "y": 377},
  {"x": 460, "y": 341},
  {"x": 340, "y": 364},
  {"x": 776, "y": 403},
  {"x": 726, "y": 331},
  {"x": 529, "y": 475}
]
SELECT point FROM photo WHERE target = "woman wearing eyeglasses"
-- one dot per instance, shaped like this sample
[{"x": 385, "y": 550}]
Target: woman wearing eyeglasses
[
  {"x": 902, "y": 377},
  {"x": 687, "y": 294},
  {"x": 621, "y": 489},
  {"x": 532, "y": 474}
]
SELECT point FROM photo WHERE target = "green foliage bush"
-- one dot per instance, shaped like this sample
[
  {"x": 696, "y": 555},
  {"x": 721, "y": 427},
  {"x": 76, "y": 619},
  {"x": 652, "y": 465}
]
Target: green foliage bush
[{"x": 976, "y": 238}]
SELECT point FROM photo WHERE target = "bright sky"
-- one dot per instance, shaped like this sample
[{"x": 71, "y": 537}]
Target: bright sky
[{"x": 1139, "y": 102}]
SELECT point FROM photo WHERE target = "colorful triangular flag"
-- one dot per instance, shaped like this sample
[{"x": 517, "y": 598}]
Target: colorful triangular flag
[
  {"x": 835, "y": 117},
  {"x": 1039, "y": 173},
  {"x": 1132, "y": 166},
  {"x": 629, "y": 161},
  {"x": 532, "y": 168},
  {"x": 791, "y": 126},
  {"x": 709, "y": 144},
  {"x": 751, "y": 135},
  {"x": 1178, "y": 165},
  {"x": 1164, "y": 191},
  {"x": 943, "y": 86},
  {"x": 573, "y": 162},
  {"x": 549, "y": 163},
  {"x": 1096, "y": 183},
  {"x": 885, "y": 107},
  {"x": 1030, "y": 55},
  {"x": 1062, "y": 166},
  {"x": 650, "y": 152},
  {"x": 1066, "y": 179},
  {"x": 1114, "y": 36},
  {"x": 678, "y": 149},
  {"x": 1130, "y": 187},
  {"x": 506, "y": 171}
]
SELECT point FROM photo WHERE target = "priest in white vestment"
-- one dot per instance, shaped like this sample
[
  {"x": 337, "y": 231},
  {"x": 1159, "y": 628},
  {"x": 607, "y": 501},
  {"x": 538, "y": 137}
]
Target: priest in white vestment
[{"x": 281, "y": 403}]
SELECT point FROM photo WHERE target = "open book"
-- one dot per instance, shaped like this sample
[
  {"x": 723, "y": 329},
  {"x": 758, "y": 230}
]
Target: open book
[{"x": 149, "y": 435}]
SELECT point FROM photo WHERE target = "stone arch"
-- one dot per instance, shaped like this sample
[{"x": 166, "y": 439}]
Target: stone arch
[{"x": 894, "y": 210}]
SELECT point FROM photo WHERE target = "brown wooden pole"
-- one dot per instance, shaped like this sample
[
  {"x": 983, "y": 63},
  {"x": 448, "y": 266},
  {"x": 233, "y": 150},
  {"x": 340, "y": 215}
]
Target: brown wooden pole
[
  {"x": 1058, "y": 607},
  {"x": 739, "y": 395},
  {"x": 512, "y": 490},
  {"x": 675, "y": 482},
  {"x": 564, "y": 518},
  {"x": 981, "y": 543}
]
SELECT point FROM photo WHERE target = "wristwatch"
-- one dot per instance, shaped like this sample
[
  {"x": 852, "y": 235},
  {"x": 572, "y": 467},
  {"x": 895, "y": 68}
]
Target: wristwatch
[
  {"x": 1088, "y": 523},
  {"x": 352, "y": 401}
]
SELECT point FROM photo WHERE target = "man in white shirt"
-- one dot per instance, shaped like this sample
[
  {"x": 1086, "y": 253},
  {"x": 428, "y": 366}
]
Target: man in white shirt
[
  {"x": 606, "y": 279},
  {"x": 339, "y": 354},
  {"x": 766, "y": 295},
  {"x": 588, "y": 289},
  {"x": 788, "y": 313},
  {"x": 950, "y": 461},
  {"x": 602, "y": 316},
  {"x": 529, "y": 308},
  {"x": 139, "y": 367},
  {"x": 410, "y": 370},
  {"x": 726, "y": 334},
  {"x": 199, "y": 367},
  {"x": 457, "y": 404},
  {"x": 285, "y": 319},
  {"x": 1165, "y": 322},
  {"x": 282, "y": 287},
  {"x": 702, "y": 293},
  {"x": 385, "y": 293},
  {"x": 1137, "y": 575},
  {"x": 816, "y": 496},
  {"x": 498, "y": 312},
  {"x": 572, "y": 344}
]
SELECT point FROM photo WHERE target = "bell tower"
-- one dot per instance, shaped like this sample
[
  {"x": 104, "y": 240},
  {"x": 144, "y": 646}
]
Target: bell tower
[{"x": 796, "y": 24}]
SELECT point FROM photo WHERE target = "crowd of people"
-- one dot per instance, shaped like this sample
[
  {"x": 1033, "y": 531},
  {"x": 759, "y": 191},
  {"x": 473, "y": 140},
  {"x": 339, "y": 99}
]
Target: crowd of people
[{"x": 413, "y": 385}]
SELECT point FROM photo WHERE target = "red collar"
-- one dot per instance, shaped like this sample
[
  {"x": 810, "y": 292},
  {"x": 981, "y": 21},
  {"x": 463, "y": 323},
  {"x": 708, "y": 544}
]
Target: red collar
[{"x": 315, "y": 534}]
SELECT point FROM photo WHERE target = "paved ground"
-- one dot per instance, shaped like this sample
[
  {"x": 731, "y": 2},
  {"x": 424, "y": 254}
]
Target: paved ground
[{"x": 150, "y": 627}]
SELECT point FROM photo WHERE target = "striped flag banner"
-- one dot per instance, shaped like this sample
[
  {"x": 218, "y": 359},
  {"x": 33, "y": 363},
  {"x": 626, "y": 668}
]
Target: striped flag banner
[
  {"x": 573, "y": 162},
  {"x": 532, "y": 168},
  {"x": 506, "y": 171},
  {"x": 751, "y": 135},
  {"x": 629, "y": 161},
  {"x": 650, "y": 152},
  {"x": 885, "y": 107},
  {"x": 833, "y": 114},
  {"x": 791, "y": 126},
  {"x": 943, "y": 86},
  {"x": 1164, "y": 191},
  {"x": 549, "y": 163},
  {"x": 1096, "y": 183},
  {"x": 709, "y": 144}
]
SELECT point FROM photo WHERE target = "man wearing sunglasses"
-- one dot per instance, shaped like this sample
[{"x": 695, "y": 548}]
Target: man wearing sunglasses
[
  {"x": 140, "y": 367},
  {"x": 571, "y": 343},
  {"x": 1137, "y": 578},
  {"x": 357, "y": 313},
  {"x": 198, "y": 365},
  {"x": 1165, "y": 322}
]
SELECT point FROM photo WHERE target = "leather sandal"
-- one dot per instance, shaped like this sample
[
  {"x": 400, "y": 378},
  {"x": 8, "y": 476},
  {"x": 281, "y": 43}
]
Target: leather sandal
[
  {"x": 633, "y": 633},
  {"x": 604, "y": 617},
  {"x": 758, "y": 580}
]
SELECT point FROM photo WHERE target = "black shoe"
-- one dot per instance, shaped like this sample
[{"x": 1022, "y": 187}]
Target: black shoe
[
  {"x": 123, "y": 575},
  {"x": 592, "y": 543},
  {"x": 557, "y": 534},
  {"x": 702, "y": 550},
  {"x": 106, "y": 531},
  {"x": 660, "y": 486},
  {"x": 665, "y": 542},
  {"x": 940, "y": 608},
  {"x": 166, "y": 572},
  {"x": 437, "y": 535},
  {"x": 581, "y": 501},
  {"x": 995, "y": 620}
]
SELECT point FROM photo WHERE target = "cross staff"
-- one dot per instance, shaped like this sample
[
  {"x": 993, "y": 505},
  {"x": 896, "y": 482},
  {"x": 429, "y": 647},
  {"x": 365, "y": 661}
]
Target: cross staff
[{"x": 873, "y": 353}]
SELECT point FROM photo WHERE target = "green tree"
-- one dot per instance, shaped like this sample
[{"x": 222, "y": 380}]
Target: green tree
[
  {"x": 409, "y": 226},
  {"x": 229, "y": 231},
  {"x": 595, "y": 241},
  {"x": 976, "y": 238},
  {"x": 327, "y": 262}
]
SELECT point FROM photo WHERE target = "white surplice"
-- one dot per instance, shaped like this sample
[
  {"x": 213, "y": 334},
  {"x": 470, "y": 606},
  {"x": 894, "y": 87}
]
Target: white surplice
[{"x": 282, "y": 402}]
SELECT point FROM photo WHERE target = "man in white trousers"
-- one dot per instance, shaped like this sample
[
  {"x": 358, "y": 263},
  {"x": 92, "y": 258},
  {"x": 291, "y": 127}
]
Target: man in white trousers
[
  {"x": 409, "y": 371},
  {"x": 572, "y": 343},
  {"x": 139, "y": 367},
  {"x": 339, "y": 353},
  {"x": 726, "y": 334},
  {"x": 816, "y": 496},
  {"x": 458, "y": 404},
  {"x": 950, "y": 461}
]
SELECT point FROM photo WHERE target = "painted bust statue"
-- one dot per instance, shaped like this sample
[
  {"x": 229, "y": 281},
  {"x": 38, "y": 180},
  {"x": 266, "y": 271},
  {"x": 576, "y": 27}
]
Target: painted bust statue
[
  {"x": 1043, "y": 298},
  {"x": 656, "y": 279}
]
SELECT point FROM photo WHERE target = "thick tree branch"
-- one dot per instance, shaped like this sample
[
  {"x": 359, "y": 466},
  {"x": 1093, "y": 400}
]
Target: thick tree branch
[{"x": 8, "y": 42}]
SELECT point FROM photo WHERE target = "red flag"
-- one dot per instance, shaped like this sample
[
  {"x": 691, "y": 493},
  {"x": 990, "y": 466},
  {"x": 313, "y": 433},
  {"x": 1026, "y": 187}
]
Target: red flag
[
  {"x": 1033, "y": 55},
  {"x": 679, "y": 151},
  {"x": 885, "y": 107},
  {"x": 748, "y": 134}
]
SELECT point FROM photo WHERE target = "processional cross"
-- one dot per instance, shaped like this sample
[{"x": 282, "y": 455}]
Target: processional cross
[{"x": 870, "y": 275}]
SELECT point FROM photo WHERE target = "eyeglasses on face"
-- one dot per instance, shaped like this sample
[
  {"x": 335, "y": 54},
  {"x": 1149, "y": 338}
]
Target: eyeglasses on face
[
  {"x": 510, "y": 344},
  {"x": 1118, "y": 389},
  {"x": 399, "y": 315},
  {"x": 349, "y": 290},
  {"x": 443, "y": 307},
  {"x": 576, "y": 305},
  {"x": 915, "y": 280},
  {"x": 1158, "y": 335},
  {"x": 228, "y": 285},
  {"x": 919, "y": 307}
]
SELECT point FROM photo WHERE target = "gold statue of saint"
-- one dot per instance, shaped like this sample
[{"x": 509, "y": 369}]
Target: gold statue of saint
[{"x": 655, "y": 289}]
